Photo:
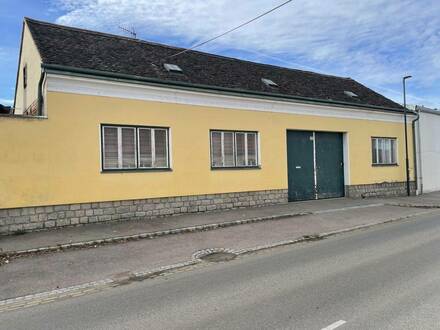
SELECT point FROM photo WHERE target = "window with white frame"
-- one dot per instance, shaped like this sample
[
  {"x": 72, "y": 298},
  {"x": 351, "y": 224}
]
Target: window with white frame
[
  {"x": 231, "y": 149},
  {"x": 384, "y": 151},
  {"x": 132, "y": 147}
]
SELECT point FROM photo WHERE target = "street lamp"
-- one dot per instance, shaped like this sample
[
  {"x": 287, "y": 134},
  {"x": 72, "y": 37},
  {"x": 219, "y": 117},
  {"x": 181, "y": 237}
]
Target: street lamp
[{"x": 405, "y": 110}]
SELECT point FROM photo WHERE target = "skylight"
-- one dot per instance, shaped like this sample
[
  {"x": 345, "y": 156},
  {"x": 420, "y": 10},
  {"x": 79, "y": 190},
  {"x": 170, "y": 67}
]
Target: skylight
[
  {"x": 351, "y": 94},
  {"x": 269, "y": 82},
  {"x": 172, "y": 68}
]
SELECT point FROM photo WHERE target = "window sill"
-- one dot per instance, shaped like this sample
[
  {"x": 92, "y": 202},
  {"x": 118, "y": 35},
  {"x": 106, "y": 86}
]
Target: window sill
[
  {"x": 385, "y": 165},
  {"x": 137, "y": 170},
  {"x": 236, "y": 168}
]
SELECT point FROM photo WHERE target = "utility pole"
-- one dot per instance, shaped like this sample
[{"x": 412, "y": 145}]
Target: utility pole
[{"x": 405, "y": 110}]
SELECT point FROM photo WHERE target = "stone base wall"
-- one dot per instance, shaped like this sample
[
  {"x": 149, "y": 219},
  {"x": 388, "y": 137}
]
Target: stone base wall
[
  {"x": 384, "y": 189},
  {"x": 25, "y": 219}
]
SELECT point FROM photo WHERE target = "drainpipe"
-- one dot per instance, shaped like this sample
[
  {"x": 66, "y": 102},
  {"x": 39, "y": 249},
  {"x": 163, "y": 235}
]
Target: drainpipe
[
  {"x": 417, "y": 155},
  {"x": 408, "y": 190},
  {"x": 40, "y": 94}
]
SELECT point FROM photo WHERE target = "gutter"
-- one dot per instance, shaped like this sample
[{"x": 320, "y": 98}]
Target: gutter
[{"x": 105, "y": 75}]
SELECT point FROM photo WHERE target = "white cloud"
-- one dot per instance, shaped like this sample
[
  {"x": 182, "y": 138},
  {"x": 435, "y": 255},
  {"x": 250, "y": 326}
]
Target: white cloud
[
  {"x": 6, "y": 101},
  {"x": 375, "y": 41}
]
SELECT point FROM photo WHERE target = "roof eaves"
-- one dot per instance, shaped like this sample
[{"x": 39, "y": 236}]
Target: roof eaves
[
  {"x": 428, "y": 110},
  {"x": 55, "y": 68}
]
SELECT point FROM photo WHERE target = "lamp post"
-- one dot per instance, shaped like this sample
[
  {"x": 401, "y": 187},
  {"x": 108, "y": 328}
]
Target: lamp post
[{"x": 405, "y": 110}]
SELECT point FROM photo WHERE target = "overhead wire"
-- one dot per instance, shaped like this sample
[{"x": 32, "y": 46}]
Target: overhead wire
[{"x": 231, "y": 30}]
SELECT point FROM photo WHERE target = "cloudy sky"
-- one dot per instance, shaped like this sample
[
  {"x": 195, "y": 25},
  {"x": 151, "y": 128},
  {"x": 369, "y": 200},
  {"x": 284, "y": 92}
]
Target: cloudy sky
[{"x": 375, "y": 42}]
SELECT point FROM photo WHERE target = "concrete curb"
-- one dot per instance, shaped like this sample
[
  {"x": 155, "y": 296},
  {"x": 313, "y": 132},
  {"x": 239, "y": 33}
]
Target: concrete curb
[
  {"x": 419, "y": 206},
  {"x": 129, "y": 277},
  {"x": 315, "y": 237},
  {"x": 151, "y": 235},
  {"x": 147, "y": 235},
  {"x": 49, "y": 296},
  {"x": 87, "y": 288}
]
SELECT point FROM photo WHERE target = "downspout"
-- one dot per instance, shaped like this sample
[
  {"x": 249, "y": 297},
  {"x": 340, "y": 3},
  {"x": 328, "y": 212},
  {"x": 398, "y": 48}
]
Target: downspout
[
  {"x": 415, "y": 149},
  {"x": 40, "y": 94}
]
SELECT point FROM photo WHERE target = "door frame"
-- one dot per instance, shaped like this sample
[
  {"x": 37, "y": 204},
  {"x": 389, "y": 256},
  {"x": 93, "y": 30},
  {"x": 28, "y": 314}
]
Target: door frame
[{"x": 345, "y": 151}]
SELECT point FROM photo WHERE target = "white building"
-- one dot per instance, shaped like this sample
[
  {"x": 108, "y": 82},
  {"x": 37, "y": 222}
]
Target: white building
[{"x": 427, "y": 134}]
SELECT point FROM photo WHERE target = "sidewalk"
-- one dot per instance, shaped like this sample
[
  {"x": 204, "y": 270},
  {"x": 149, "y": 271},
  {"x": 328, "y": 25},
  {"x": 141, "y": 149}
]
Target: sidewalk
[
  {"x": 50, "y": 271},
  {"x": 430, "y": 200},
  {"x": 94, "y": 234}
]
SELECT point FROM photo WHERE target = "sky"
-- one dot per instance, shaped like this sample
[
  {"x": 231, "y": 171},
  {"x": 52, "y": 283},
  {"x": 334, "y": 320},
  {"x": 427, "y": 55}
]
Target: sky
[{"x": 375, "y": 42}]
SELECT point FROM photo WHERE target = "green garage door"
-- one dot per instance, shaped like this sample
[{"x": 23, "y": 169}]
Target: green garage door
[{"x": 315, "y": 165}]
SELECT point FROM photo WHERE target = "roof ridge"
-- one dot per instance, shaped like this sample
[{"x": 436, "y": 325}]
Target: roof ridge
[
  {"x": 104, "y": 34},
  {"x": 111, "y": 35}
]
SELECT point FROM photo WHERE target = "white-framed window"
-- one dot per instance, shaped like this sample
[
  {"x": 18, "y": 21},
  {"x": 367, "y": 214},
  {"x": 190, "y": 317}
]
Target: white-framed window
[
  {"x": 384, "y": 151},
  {"x": 234, "y": 149},
  {"x": 134, "y": 147}
]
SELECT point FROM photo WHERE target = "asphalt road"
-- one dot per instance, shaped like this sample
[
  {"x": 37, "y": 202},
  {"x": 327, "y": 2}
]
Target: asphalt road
[{"x": 387, "y": 277}]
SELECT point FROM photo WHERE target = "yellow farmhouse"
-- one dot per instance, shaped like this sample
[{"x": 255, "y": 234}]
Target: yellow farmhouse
[{"x": 111, "y": 128}]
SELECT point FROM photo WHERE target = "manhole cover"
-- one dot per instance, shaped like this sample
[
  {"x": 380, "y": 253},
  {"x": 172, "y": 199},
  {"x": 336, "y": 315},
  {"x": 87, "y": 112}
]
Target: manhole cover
[
  {"x": 218, "y": 257},
  {"x": 215, "y": 255}
]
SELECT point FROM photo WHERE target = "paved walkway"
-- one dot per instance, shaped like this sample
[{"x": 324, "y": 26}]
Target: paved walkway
[
  {"x": 50, "y": 271},
  {"x": 426, "y": 200},
  {"x": 383, "y": 278},
  {"x": 99, "y": 231}
]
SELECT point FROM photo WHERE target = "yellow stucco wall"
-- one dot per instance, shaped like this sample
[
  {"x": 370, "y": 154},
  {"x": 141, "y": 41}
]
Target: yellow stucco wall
[
  {"x": 30, "y": 57},
  {"x": 57, "y": 160}
]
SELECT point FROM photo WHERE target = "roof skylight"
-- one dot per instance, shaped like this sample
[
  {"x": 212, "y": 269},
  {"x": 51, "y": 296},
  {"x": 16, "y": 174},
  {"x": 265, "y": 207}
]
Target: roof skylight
[
  {"x": 173, "y": 68},
  {"x": 351, "y": 94},
  {"x": 269, "y": 82}
]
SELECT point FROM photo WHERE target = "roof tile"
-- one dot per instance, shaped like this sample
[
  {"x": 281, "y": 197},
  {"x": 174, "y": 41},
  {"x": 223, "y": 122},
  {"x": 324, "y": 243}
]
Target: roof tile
[{"x": 67, "y": 46}]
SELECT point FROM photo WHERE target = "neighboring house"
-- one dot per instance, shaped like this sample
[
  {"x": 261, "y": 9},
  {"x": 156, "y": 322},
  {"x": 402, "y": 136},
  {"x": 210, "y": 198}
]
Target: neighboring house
[
  {"x": 5, "y": 109},
  {"x": 118, "y": 128},
  {"x": 428, "y": 149}
]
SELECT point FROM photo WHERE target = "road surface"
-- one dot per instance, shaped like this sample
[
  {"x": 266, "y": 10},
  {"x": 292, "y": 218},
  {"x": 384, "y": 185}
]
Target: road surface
[{"x": 387, "y": 277}]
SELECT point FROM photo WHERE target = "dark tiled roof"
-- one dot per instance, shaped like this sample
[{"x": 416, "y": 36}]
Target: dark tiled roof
[{"x": 85, "y": 49}]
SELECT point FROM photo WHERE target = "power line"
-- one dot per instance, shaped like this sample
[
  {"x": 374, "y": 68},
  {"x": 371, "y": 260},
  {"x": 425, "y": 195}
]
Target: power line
[{"x": 233, "y": 29}]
